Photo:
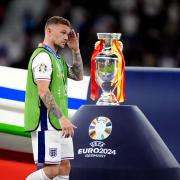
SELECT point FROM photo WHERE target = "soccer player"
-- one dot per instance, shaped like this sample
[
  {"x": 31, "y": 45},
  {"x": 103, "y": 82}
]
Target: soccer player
[{"x": 46, "y": 105}]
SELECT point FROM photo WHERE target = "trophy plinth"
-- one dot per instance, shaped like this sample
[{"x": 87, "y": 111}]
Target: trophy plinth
[{"x": 106, "y": 69}]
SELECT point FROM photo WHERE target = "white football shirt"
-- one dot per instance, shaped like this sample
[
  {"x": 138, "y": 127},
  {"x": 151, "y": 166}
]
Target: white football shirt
[{"x": 42, "y": 67}]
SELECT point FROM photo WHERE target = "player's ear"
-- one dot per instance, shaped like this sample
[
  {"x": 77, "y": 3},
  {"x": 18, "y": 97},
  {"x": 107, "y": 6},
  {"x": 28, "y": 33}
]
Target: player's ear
[{"x": 48, "y": 30}]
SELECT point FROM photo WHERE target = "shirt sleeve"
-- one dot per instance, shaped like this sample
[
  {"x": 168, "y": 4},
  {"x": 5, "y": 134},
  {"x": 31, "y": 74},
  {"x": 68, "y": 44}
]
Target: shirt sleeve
[{"x": 42, "y": 67}]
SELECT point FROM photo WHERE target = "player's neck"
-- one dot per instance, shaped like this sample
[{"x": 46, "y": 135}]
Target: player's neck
[{"x": 51, "y": 45}]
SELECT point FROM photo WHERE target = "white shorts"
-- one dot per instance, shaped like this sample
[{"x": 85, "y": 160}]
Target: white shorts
[{"x": 50, "y": 147}]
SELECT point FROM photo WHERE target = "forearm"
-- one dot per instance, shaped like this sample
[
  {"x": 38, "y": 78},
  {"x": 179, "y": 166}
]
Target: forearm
[
  {"x": 76, "y": 71},
  {"x": 51, "y": 105}
]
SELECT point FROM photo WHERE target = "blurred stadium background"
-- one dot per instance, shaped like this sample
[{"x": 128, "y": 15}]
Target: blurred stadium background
[
  {"x": 150, "y": 28},
  {"x": 150, "y": 35}
]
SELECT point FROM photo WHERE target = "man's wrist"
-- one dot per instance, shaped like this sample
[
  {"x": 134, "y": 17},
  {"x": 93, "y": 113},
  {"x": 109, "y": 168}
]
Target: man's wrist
[
  {"x": 62, "y": 118},
  {"x": 77, "y": 51}
]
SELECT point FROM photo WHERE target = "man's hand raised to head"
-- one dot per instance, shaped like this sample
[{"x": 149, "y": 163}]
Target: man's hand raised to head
[{"x": 73, "y": 41}]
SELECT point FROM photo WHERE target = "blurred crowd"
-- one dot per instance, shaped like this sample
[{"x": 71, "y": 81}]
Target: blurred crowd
[{"x": 150, "y": 29}]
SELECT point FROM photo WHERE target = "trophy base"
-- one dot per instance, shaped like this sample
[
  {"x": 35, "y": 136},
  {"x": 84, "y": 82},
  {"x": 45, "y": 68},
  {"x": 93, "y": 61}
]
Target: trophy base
[{"x": 107, "y": 99}]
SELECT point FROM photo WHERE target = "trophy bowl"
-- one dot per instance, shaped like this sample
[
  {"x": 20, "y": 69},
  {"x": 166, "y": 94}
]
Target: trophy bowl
[{"x": 106, "y": 69}]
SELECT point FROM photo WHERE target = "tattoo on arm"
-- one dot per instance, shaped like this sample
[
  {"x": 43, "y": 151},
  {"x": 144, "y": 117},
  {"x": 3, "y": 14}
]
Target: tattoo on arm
[
  {"x": 76, "y": 71},
  {"x": 51, "y": 105}
]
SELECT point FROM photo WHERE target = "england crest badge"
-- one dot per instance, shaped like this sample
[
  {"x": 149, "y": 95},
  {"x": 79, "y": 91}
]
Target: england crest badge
[{"x": 53, "y": 152}]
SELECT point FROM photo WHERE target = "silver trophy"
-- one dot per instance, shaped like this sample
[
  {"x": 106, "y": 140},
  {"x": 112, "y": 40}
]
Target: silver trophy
[{"x": 106, "y": 69}]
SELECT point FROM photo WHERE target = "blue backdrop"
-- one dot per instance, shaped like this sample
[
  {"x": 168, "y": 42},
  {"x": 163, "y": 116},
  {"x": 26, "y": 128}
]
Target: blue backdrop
[{"x": 156, "y": 91}]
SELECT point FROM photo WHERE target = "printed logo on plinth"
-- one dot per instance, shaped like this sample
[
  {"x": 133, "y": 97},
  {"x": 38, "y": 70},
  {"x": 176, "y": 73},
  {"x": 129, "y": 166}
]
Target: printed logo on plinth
[
  {"x": 100, "y": 128},
  {"x": 97, "y": 150}
]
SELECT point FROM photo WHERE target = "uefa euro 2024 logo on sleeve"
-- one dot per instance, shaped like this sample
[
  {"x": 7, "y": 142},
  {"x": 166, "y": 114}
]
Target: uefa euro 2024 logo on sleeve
[{"x": 100, "y": 128}]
